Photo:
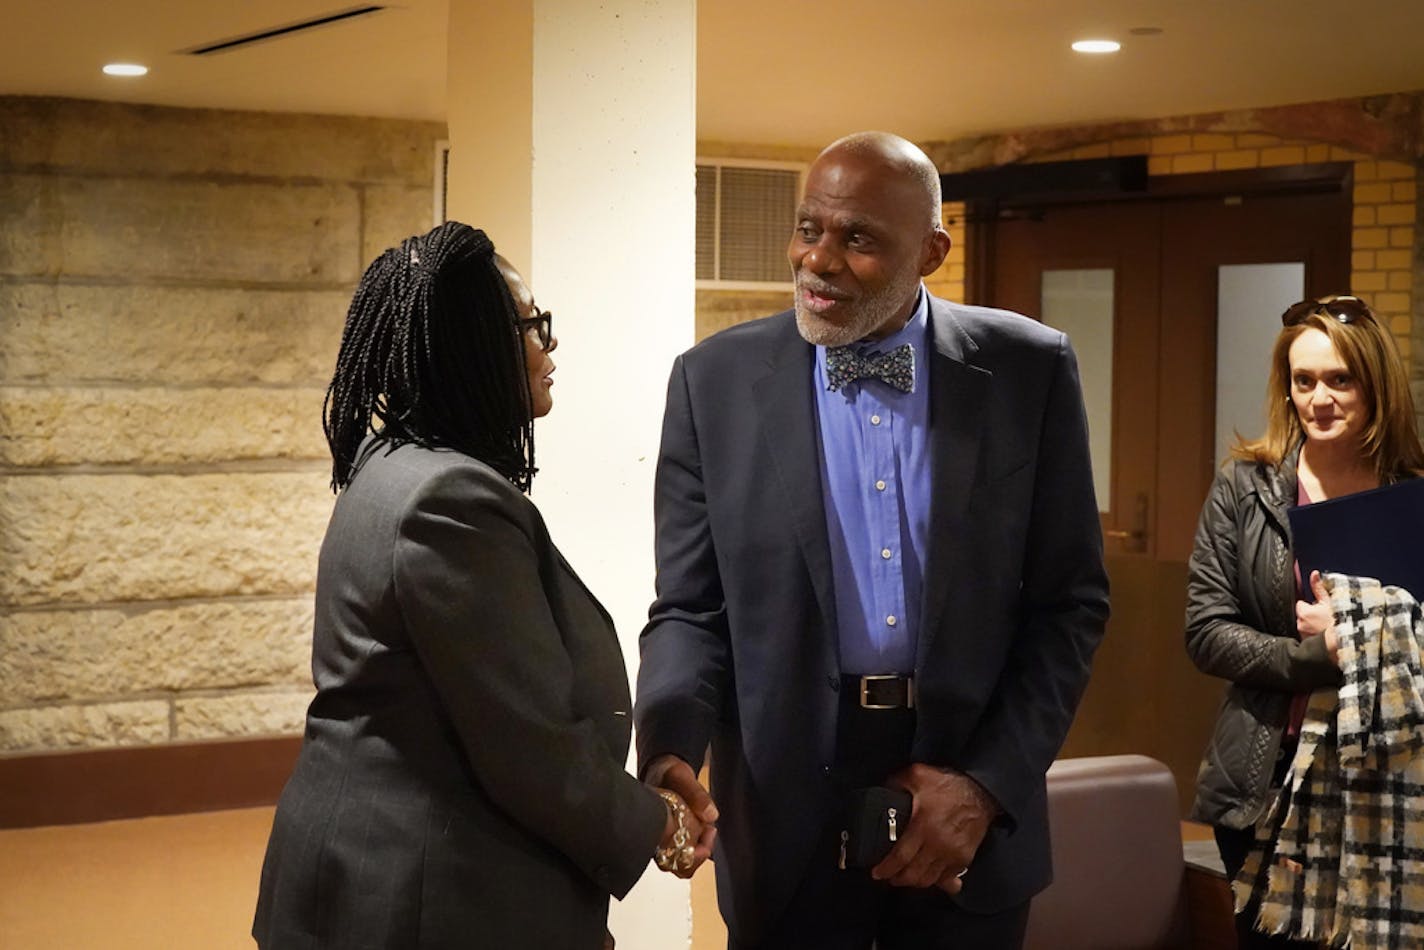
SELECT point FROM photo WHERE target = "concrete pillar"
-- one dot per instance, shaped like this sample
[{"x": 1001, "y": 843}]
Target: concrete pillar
[{"x": 608, "y": 176}]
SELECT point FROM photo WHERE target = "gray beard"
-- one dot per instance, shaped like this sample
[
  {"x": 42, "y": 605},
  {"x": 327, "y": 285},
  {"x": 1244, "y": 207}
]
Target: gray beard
[{"x": 865, "y": 317}]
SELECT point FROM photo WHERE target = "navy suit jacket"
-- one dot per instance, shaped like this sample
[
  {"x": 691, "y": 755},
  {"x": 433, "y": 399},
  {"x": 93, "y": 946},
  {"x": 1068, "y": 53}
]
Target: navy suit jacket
[{"x": 741, "y": 646}]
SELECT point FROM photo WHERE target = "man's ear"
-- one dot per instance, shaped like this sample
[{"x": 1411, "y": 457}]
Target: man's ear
[{"x": 936, "y": 247}]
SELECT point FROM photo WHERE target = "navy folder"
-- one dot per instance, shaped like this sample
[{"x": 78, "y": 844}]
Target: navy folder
[{"x": 1377, "y": 533}]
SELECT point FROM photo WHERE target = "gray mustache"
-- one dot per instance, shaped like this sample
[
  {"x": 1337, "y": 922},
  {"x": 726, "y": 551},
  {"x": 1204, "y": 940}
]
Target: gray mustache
[{"x": 818, "y": 286}]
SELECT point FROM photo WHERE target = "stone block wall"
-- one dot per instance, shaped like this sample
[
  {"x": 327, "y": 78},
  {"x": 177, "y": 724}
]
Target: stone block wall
[{"x": 173, "y": 284}]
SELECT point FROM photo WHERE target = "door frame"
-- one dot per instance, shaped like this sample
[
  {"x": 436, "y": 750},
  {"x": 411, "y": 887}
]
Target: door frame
[
  {"x": 981, "y": 213},
  {"x": 1144, "y": 696},
  {"x": 1175, "y": 464}
]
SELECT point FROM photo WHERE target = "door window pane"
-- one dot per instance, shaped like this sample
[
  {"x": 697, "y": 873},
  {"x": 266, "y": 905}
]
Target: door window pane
[
  {"x": 1080, "y": 303},
  {"x": 1249, "y": 301}
]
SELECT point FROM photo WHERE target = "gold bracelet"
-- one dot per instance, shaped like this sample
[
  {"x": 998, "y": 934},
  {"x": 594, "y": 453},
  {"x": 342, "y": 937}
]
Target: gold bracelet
[{"x": 678, "y": 855}]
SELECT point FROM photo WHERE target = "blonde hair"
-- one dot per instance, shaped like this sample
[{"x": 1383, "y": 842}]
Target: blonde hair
[{"x": 1390, "y": 439}]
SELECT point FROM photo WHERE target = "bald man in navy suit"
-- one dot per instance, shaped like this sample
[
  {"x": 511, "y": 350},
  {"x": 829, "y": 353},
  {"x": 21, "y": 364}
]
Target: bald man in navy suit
[{"x": 879, "y": 563}]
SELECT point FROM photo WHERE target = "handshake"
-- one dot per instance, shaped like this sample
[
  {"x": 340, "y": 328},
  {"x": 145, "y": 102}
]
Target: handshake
[
  {"x": 692, "y": 817},
  {"x": 951, "y": 815}
]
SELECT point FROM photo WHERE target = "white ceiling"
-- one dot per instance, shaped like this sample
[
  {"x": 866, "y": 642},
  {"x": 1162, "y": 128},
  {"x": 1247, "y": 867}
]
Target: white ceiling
[
  {"x": 390, "y": 63},
  {"x": 929, "y": 69}
]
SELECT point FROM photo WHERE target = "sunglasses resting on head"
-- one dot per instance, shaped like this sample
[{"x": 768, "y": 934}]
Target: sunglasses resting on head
[{"x": 1343, "y": 307}]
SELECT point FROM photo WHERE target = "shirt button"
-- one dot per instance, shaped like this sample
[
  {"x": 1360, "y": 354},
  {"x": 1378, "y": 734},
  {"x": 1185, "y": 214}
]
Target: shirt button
[
  {"x": 890, "y": 621},
  {"x": 885, "y": 553},
  {"x": 875, "y": 420},
  {"x": 880, "y": 485}
]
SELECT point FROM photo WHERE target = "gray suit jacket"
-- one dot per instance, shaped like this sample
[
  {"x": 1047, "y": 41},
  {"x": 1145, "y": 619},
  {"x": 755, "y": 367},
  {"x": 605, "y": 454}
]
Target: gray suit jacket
[
  {"x": 461, "y": 780},
  {"x": 741, "y": 644}
]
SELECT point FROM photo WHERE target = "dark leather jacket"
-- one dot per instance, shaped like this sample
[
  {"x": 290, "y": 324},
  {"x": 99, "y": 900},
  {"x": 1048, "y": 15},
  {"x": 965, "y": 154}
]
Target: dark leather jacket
[{"x": 1241, "y": 626}]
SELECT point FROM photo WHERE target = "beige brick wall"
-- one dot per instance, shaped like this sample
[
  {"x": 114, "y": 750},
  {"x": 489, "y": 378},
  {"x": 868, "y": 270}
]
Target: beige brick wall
[
  {"x": 172, "y": 288},
  {"x": 948, "y": 281}
]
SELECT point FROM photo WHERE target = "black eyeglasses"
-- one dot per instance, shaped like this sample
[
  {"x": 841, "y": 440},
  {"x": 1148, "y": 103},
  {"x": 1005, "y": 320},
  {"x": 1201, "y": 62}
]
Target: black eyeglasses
[
  {"x": 542, "y": 323},
  {"x": 1343, "y": 307}
]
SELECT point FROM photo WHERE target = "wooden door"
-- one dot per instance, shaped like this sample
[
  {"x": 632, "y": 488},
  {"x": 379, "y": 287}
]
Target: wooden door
[{"x": 1155, "y": 263}]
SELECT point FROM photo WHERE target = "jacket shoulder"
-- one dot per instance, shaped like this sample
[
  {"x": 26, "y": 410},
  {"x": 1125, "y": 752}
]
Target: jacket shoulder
[
  {"x": 991, "y": 328},
  {"x": 1232, "y": 479},
  {"x": 1247, "y": 475},
  {"x": 401, "y": 476},
  {"x": 741, "y": 337},
  {"x": 1238, "y": 480},
  {"x": 730, "y": 352}
]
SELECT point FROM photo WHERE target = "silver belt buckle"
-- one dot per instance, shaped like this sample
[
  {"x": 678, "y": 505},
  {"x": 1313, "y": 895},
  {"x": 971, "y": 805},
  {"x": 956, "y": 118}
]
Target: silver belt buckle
[{"x": 865, "y": 682}]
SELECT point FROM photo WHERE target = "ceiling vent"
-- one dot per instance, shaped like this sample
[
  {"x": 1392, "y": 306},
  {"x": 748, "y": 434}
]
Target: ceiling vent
[{"x": 262, "y": 36}]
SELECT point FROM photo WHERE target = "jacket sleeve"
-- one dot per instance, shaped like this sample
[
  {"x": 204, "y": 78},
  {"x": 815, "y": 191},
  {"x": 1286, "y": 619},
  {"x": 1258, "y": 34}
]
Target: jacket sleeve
[
  {"x": 1220, "y": 640},
  {"x": 1063, "y": 609},
  {"x": 469, "y": 587},
  {"x": 685, "y": 668}
]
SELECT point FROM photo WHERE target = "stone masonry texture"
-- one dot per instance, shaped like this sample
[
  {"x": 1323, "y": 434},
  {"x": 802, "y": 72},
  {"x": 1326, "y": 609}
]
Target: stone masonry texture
[{"x": 173, "y": 283}]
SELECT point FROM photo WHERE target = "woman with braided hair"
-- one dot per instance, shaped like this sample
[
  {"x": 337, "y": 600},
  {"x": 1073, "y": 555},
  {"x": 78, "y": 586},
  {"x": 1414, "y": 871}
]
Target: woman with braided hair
[{"x": 461, "y": 779}]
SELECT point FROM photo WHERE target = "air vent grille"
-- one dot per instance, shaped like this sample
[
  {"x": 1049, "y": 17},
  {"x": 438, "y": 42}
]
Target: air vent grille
[{"x": 745, "y": 212}]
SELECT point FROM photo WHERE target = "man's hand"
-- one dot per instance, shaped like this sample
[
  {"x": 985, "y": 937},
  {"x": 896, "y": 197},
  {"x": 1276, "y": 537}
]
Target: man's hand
[
  {"x": 675, "y": 775},
  {"x": 950, "y": 817}
]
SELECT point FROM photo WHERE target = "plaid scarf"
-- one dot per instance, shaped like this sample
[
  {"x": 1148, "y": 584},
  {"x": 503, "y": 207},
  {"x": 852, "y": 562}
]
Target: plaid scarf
[{"x": 1348, "y": 824}]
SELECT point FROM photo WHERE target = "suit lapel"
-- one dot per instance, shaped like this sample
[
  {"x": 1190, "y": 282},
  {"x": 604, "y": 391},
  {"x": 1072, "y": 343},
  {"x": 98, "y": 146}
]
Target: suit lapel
[
  {"x": 790, "y": 436},
  {"x": 568, "y": 569},
  {"x": 958, "y": 393}
]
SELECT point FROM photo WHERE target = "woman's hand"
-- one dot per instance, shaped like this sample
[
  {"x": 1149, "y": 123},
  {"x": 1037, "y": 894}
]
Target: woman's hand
[
  {"x": 686, "y": 841},
  {"x": 1318, "y": 619}
]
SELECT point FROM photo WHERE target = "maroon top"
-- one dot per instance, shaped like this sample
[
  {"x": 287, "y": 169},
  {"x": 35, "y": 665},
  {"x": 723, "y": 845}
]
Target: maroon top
[{"x": 1300, "y": 700}]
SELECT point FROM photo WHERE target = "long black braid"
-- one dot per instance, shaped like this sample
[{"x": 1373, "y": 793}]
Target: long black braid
[{"x": 432, "y": 354}]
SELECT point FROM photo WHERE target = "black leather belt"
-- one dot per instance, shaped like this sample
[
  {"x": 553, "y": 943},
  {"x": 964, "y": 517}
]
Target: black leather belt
[{"x": 888, "y": 691}]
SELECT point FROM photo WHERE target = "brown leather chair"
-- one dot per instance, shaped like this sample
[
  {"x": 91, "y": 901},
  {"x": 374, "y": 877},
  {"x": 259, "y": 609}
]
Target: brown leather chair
[{"x": 1118, "y": 872}]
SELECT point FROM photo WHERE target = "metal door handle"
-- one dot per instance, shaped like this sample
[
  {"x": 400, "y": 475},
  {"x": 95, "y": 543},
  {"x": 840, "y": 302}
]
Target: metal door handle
[{"x": 1136, "y": 538}]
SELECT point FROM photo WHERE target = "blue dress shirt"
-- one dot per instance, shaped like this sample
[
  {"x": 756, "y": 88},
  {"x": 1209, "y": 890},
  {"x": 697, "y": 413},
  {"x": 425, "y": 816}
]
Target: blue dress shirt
[{"x": 875, "y": 481}]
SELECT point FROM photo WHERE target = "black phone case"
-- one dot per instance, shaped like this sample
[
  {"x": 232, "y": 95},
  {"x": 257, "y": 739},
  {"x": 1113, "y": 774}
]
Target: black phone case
[{"x": 874, "y": 819}]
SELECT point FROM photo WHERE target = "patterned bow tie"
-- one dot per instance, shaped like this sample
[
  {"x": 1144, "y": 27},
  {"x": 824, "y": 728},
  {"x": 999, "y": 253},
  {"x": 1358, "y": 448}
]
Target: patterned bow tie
[{"x": 896, "y": 368}]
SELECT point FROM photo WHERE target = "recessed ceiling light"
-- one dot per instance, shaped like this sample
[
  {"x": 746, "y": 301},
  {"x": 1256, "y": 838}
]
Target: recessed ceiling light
[
  {"x": 1097, "y": 46},
  {"x": 125, "y": 69}
]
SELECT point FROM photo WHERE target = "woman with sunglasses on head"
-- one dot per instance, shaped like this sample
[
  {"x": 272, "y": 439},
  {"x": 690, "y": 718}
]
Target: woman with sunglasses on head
[
  {"x": 1340, "y": 419},
  {"x": 461, "y": 781}
]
